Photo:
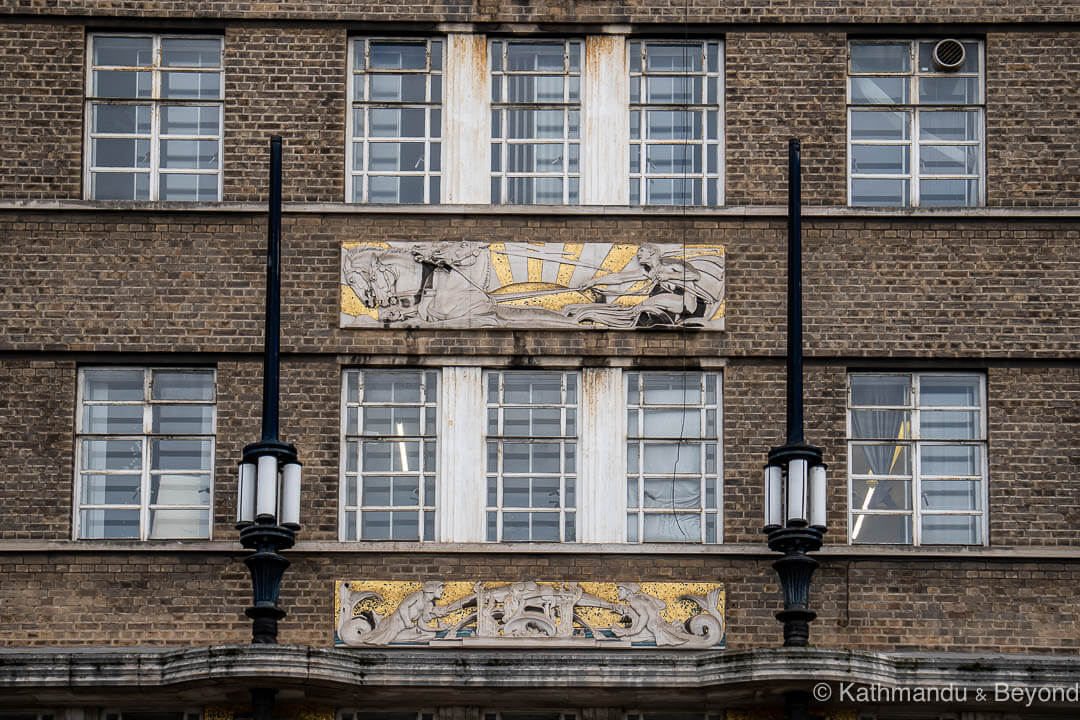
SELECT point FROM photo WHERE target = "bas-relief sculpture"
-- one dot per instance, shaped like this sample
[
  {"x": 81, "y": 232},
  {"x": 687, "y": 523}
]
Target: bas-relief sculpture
[
  {"x": 469, "y": 284},
  {"x": 438, "y": 613}
]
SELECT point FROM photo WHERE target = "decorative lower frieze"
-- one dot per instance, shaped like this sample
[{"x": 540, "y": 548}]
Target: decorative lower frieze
[
  {"x": 484, "y": 613},
  {"x": 471, "y": 284}
]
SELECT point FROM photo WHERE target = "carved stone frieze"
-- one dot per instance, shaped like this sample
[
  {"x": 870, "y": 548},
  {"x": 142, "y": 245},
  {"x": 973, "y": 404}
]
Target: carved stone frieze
[
  {"x": 471, "y": 284},
  {"x": 611, "y": 614}
]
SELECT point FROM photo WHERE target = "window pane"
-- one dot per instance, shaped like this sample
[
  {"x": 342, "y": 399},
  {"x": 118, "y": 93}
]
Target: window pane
[
  {"x": 881, "y": 424},
  {"x": 949, "y": 160},
  {"x": 127, "y": 119},
  {"x": 201, "y": 85},
  {"x": 951, "y": 530},
  {"x": 673, "y": 191},
  {"x": 405, "y": 525},
  {"x": 112, "y": 455},
  {"x": 545, "y": 527},
  {"x": 177, "y": 489},
  {"x": 374, "y": 525},
  {"x": 877, "y": 125},
  {"x": 867, "y": 459},
  {"x": 182, "y": 385},
  {"x": 534, "y": 89},
  {"x": 867, "y": 191},
  {"x": 538, "y": 124},
  {"x": 881, "y": 494},
  {"x": 405, "y": 492},
  {"x": 881, "y": 529},
  {"x": 951, "y": 495},
  {"x": 673, "y": 158},
  {"x": 383, "y": 189},
  {"x": 672, "y": 458},
  {"x": 110, "y": 489},
  {"x": 950, "y": 126},
  {"x": 673, "y": 422},
  {"x": 395, "y": 122},
  {"x": 673, "y": 124},
  {"x": 881, "y": 58},
  {"x": 673, "y": 493},
  {"x": 397, "y": 88},
  {"x": 114, "y": 419},
  {"x": 189, "y": 188},
  {"x": 183, "y": 419},
  {"x": 376, "y": 489},
  {"x": 123, "y": 51},
  {"x": 119, "y": 186},
  {"x": 189, "y": 154},
  {"x": 181, "y": 454},
  {"x": 113, "y": 385},
  {"x": 526, "y": 57},
  {"x": 948, "y": 90},
  {"x": 108, "y": 524},
  {"x": 191, "y": 52},
  {"x": 949, "y": 424},
  {"x": 120, "y": 152},
  {"x": 875, "y": 90},
  {"x": 881, "y": 390},
  {"x": 179, "y": 524},
  {"x": 189, "y": 120},
  {"x": 880, "y": 159},
  {"x": 122, "y": 84},
  {"x": 949, "y": 390},
  {"x": 397, "y": 56},
  {"x": 951, "y": 459},
  {"x": 672, "y": 527},
  {"x": 673, "y": 57},
  {"x": 949, "y": 193},
  {"x": 396, "y": 156},
  {"x": 684, "y": 90},
  {"x": 534, "y": 157}
]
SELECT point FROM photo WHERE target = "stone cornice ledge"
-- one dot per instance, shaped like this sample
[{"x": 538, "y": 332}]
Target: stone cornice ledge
[
  {"x": 840, "y": 212},
  {"x": 285, "y": 665}
]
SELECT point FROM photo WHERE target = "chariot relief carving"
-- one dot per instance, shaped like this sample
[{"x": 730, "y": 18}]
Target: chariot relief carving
[
  {"x": 469, "y": 284},
  {"x": 438, "y": 613}
]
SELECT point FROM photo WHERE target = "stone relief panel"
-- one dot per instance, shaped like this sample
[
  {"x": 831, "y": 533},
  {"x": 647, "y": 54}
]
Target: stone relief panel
[
  {"x": 470, "y": 284},
  {"x": 586, "y": 614}
]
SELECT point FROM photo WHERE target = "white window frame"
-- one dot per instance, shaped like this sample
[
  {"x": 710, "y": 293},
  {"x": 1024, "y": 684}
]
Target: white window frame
[
  {"x": 156, "y": 101},
  {"x": 145, "y": 438},
  {"x": 711, "y": 106},
  {"x": 636, "y": 508},
  {"x": 357, "y": 169},
  {"x": 600, "y": 477},
  {"x": 915, "y": 442},
  {"x": 914, "y": 110},
  {"x": 351, "y": 500}
]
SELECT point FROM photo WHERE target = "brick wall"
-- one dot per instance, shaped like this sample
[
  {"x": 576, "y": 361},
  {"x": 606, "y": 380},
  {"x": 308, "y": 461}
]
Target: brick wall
[{"x": 42, "y": 71}]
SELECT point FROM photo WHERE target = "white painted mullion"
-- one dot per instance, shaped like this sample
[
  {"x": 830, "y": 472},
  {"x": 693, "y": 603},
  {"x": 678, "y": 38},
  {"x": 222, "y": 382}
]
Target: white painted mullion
[
  {"x": 604, "y": 153},
  {"x": 466, "y": 120},
  {"x": 461, "y": 514},
  {"x": 601, "y": 482}
]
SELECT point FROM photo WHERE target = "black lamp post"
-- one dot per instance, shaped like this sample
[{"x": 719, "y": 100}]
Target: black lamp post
[{"x": 269, "y": 476}]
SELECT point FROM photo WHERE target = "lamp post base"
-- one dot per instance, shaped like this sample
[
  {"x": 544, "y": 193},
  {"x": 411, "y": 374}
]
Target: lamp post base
[
  {"x": 267, "y": 567},
  {"x": 795, "y": 570}
]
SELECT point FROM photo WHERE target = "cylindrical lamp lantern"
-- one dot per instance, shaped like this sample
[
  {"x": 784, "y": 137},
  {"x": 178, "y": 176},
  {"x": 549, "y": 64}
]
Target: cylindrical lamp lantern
[
  {"x": 245, "y": 494},
  {"x": 796, "y": 492},
  {"x": 817, "y": 496},
  {"x": 290, "y": 495},
  {"x": 267, "y": 489},
  {"x": 774, "y": 496}
]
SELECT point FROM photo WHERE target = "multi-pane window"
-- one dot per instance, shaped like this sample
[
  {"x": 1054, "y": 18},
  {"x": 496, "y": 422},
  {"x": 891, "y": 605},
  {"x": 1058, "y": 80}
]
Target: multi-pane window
[
  {"x": 350, "y": 714},
  {"x": 535, "y": 121},
  {"x": 676, "y": 124},
  {"x": 672, "y": 457},
  {"x": 145, "y": 453},
  {"x": 151, "y": 715},
  {"x": 917, "y": 458},
  {"x": 915, "y": 123},
  {"x": 395, "y": 148},
  {"x": 389, "y": 472},
  {"x": 154, "y": 117},
  {"x": 531, "y": 455}
]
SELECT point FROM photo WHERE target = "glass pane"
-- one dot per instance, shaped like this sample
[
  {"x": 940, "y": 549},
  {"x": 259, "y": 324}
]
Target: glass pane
[
  {"x": 538, "y": 124},
  {"x": 684, "y": 90},
  {"x": 405, "y": 525},
  {"x": 120, "y": 152},
  {"x": 951, "y": 530},
  {"x": 868, "y": 191},
  {"x": 112, "y": 455},
  {"x": 429, "y": 525},
  {"x": 631, "y": 527},
  {"x": 948, "y": 90},
  {"x": 376, "y": 457},
  {"x": 674, "y": 493},
  {"x": 396, "y": 189},
  {"x": 120, "y": 186},
  {"x": 949, "y": 390},
  {"x": 515, "y": 526},
  {"x": 881, "y": 529},
  {"x": 869, "y": 459},
  {"x": 672, "y": 458},
  {"x": 950, "y": 126},
  {"x": 879, "y": 90},
  {"x": 350, "y": 526},
  {"x": 673, "y": 57},
  {"x": 516, "y": 492},
  {"x": 174, "y": 489},
  {"x": 949, "y": 160},
  {"x": 535, "y": 157},
  {"x": 114, "y": 419},
  {"x": 108, "y": 524},
  {"x": 951, "y": 495},
  {"x": 189, "y": 154},
  {"x": 949, "y": 193},
  {"x": 375, "y": 525},
  {"x": 113, "y": 385},
  {"x": 191, "y": 52},
  {"x": 397, "y": 387},
  {"x": 396, "y": 122},
  {"x": 545, "y": 493},
  {"x": 880, "y": 159},
  {"x": 397, "y": 56},
  {"x": 534, "y": 88},
  {"x": 189, "y": 188},
  {"x": 876, "y": 125},
  {"x": 123, "y": 51},
  {"x": 402, "y": 88},
  {"x": 534, "y": 191},
  {"x": 673, "y": 124},
  {"x": 190, "y": 120},
  {"x": 122, "y": 84},
  {"x": 882, "y": 390},
  {"x": 491, "y": 530},
  {"x": 351, "y": 491},
  {"x": 521, "y": 56},
  {"x": 179, "y": 524},
  {"x": 881, "y": 494},
  {"x": 532, "y": 388},
  {"x": 949, "y": 424},
  {"x": 672, "y": 527},
  {"x": 951, "y": 459},
  {"x": 881, "y": 58},
  {"x": 881, "y": 424},
  {"x": 399, "y": 421},
  {"x": 406, "y": 491},
  {"x": 182, "y": 385},
  {"x": 181, "y": 454},
  {"x": 203, "y": 85},
  {"x": 183, "y": 419},
  {"x": 673, "y": 191},
  {"x": 126, "y": 119},
  {"x": 376, "y": 490},
  {"x": 971, "y": 57},
  {"x": 673, "y": 158},
  {"x": 110, "y": 489},
  {"x": 673, "y": 422}
]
